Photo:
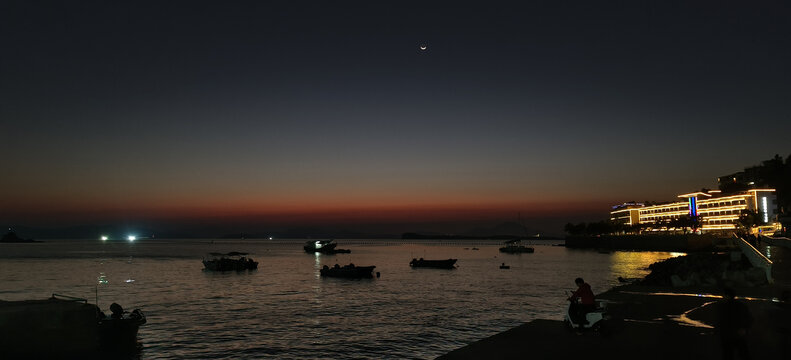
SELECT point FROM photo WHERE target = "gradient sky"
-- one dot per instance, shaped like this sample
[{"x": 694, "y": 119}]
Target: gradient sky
[{"x": 289, "y": 113}]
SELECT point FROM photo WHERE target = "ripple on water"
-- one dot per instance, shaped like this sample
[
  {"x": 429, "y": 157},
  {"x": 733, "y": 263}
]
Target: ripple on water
[{"x": 286, "y": 311}]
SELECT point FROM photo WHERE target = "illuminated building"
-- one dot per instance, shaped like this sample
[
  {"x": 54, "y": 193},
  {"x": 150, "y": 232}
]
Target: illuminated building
[{"x": 715, "y": 211}]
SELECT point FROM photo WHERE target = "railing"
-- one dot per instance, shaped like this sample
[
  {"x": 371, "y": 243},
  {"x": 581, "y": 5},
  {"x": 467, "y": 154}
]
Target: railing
[{"x": 756, "y": 258}]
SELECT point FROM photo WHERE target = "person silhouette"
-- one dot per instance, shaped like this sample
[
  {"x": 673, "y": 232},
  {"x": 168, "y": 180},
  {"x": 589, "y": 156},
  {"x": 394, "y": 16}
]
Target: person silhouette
[
  {"x": 117, "y": 311},
  {"x": 780, "y": 316},
  {"x": 733, "y": 322},
  {"x": 582, "y": 302}
]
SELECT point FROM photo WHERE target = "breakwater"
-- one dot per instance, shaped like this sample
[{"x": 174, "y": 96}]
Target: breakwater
[{"x": 678, "y": 243}]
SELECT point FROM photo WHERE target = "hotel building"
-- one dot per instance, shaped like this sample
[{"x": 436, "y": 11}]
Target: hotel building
[{"x": 716, "y": 211}]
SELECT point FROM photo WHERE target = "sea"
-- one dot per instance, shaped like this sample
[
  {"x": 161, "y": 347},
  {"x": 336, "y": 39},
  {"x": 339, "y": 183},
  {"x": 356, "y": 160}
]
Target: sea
[{"x": 286, "y": 310}]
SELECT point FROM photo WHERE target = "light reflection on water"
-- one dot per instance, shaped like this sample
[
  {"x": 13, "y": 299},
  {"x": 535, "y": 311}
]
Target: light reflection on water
[
  {"x": 631, "y": 264},
  {"x": 285, "y": 310}
]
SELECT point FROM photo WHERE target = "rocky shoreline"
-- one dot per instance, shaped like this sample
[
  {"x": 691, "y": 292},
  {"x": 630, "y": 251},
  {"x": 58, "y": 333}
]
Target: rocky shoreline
[{"x": 715, "y": 270}]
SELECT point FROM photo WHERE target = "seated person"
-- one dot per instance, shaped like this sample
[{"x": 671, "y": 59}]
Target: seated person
[
  {"x": 582, "y": 302},
  {"x": 117, "y": 310}
]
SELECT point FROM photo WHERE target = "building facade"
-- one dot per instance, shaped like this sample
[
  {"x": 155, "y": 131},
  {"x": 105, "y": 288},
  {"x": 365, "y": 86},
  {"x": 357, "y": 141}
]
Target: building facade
[{"x": 715, "y": 211}]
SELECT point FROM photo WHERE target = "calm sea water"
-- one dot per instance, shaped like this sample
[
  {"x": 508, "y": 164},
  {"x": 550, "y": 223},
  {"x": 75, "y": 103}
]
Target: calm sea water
[{"x": 285, "y": 310}]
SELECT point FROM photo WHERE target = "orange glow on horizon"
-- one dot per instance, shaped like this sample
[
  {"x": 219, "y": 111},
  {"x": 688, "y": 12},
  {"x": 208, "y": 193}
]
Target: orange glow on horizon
[{"x": 311, "y": 212}]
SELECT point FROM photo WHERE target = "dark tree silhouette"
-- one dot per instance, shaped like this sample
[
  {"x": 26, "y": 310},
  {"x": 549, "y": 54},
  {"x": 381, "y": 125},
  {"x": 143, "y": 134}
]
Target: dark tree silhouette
[{"x": 747, "y": 219}]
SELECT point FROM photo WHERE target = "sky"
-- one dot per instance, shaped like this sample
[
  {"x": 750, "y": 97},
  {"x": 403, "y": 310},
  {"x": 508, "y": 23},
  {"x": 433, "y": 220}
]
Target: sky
[{"x": 318, "y": 113}]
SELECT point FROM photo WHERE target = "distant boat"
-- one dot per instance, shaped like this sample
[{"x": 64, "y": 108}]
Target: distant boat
[
  {"x": 515, "y": 247},
  {"x": 323, "y": 247},
  {"x": 438, "y": 264},
  {"x": 350, "y": 271},
  {"x": 66, "y": 327},
  {"x": 234, "y": 260},
  {"x": 504, "y": 266}
]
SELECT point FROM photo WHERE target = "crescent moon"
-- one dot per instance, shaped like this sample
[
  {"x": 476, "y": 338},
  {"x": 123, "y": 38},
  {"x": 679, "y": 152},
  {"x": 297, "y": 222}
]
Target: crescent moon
[{"x": 423, "y": 47}]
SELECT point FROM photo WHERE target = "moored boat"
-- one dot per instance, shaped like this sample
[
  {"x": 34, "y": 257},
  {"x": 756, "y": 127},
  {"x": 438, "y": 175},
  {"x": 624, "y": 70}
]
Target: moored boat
[
  {"x": 323, "y": 247},
  {"x": 348, "y": 271},
  {"x": 66, "y": 327},
  {"x": 438, "y": 264},
  {"x": 515, "y": 247},
  {"x": 229, "y": 261}
]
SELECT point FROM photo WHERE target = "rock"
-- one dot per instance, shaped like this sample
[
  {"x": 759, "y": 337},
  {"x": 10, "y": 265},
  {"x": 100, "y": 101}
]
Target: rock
[
  {"x": 736, "y": 277},
  {"x": 707, "y": 269},
  {"x": 677, "y": 281},
  {"x": 756, "y": 276},
  {"x": 736, "y": 256}
]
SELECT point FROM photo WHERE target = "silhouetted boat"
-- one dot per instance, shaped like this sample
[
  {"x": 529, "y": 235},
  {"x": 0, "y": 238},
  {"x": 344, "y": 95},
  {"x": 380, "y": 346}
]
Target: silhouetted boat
[
  {"x": 439, "y": 264},
  {"x": 66, "y": 327},
  {"x": 515, "y": 247},
  {"x": 348, "y": 271},
  {"x": 504, "y": 266},
  {"x": 230, "y": 261},
  {"x": 323, "y": 247}
]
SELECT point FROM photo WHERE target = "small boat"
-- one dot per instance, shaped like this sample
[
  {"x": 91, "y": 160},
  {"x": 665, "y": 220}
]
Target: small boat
[
  {"x": 323, "y": 247},
  {"x": 504, "y": 266},
  {"x": 348, "y": 271},
  {"x": 439, "y": 264},
  {"x": 120, "y": 326},
  {"x": 229, "y": 261},
  {"x": 67, "y": 327},
  {"x": 515, "y": 247}
]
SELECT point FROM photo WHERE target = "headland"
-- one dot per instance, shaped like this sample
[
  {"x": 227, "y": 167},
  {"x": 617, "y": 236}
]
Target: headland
[{"x": 11, "y": 237}]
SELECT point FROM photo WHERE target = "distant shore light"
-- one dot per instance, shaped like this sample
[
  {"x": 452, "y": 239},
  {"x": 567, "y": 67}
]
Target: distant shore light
[
  {"x": 104, "y": 238},
  {"x": 131, "y": 238}
]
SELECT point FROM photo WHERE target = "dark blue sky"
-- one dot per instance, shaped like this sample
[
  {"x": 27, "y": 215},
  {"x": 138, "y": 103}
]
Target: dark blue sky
[{"x": 316, "y": 112}]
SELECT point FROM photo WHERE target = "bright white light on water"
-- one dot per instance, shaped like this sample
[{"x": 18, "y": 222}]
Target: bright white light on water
[
  {"x": 131, "y": 238},
  {"x": 130, "y": 281},
  {"x": 104, "y": 238},
  {"x": 270, "y": 238}
]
